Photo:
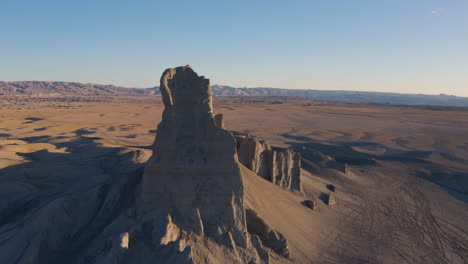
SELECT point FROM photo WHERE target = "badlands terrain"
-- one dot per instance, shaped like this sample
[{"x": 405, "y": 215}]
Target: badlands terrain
[
  {"x": 400, "y": 173},
  {"x": 48, "y": 88}
]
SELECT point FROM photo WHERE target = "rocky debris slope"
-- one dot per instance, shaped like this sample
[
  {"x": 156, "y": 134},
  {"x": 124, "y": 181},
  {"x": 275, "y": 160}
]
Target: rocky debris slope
[{"x": 281, "y": 167}]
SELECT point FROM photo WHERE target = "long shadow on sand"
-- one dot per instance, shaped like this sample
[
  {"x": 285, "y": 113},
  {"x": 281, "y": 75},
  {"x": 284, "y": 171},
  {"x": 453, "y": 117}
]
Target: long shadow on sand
[
  {"x": 344, "y": 151},
  {"x": 453, "y": 181},
  {"x": 77, "y": 194}
]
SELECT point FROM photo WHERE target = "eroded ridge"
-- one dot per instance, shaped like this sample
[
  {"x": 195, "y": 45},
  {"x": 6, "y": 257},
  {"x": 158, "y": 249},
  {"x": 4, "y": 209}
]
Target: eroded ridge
[{"x": 193, "y": 178}]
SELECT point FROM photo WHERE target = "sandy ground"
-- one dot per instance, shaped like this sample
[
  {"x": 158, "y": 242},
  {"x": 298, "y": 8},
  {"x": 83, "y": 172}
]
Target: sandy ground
[{"x": 405, "y": 199}]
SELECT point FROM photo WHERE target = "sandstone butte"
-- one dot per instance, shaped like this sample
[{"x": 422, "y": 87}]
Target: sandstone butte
[
  {"x": 192, "y": 195},
  {"x": 185, "y": 205}
]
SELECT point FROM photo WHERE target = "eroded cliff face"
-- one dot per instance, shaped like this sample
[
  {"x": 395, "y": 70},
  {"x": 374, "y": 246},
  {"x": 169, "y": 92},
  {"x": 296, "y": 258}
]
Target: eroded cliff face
[
  {"x": 281, "y": 167},
  {"x": 192, "y": 184},
  {"x": 255, "y": 155},
  {"x": 193, "y": 174}
]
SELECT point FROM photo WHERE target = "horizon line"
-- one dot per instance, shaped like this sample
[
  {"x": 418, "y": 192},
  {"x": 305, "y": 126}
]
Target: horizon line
[{"x": 257, "y": 87}]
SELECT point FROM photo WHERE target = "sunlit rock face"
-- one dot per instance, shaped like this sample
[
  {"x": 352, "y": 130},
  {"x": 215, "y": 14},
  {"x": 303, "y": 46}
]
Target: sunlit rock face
[{"x": 193, "y": 175}]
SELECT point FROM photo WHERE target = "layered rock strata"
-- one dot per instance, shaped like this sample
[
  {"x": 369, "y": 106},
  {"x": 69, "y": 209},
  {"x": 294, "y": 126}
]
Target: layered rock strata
[
  {"x": 279, "y": 167},
  {"x": 192, "y": 184}
]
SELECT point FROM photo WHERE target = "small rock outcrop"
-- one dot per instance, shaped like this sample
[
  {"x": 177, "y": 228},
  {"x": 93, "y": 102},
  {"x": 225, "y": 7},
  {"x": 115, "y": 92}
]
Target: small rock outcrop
[
  {"x": 330, "y": 200},
  {"x": 311, "y": 204},
  {"x": 346, "y": 169},
  {"x": 270, "y": 238},
  {"x": 315, "y": 161},
  {"x": 279, "y": 167},
  {"x": 219, "y": 120},
  {"x": 255, "y": 155}
]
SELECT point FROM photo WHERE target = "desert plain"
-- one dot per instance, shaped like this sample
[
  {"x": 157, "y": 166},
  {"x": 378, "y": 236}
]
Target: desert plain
[{"x": 402, "y": 199}]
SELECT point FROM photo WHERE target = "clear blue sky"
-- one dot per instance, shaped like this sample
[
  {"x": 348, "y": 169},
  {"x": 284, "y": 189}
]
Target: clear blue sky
[{"x": 409, "y": 46}]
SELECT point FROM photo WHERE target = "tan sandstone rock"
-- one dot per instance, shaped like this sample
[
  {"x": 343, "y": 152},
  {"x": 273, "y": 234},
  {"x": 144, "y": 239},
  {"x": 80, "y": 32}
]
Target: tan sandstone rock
[
  {"x": 280, "y": 167},
  {"x": 193, "y": 178},
  {"x": 255, "y": 156},
  {"x": 286, "y": 169},
  {"x": 330, "y": 200}
]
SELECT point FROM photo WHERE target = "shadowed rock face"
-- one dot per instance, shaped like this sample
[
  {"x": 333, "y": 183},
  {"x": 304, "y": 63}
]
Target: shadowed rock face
[
  {"x": 255, "y": 155},
  {"x": 193, "y": 177},
  {"x": 285, "y": 169},
  {"x": 219, "y": 120},
  {"x": 269, "y": 237},
  {"x": 280, "y": 167}
]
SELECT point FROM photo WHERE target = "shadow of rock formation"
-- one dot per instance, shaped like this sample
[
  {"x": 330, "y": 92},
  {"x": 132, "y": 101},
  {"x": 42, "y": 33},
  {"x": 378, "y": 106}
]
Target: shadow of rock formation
[
  {"x": 91, "y": 204},
  {"x": 279, "y": 166},
  {"x": 317, "y": 155},
  {"x": 56, "y": 208}
]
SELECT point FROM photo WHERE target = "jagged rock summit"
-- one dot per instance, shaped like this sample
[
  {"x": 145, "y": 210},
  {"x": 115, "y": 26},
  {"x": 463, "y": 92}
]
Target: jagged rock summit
[
  {"x": 193, "y": 181},
  {"x": 193, "y": 175}
]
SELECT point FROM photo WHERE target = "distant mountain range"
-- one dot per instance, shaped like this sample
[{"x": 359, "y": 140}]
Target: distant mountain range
[
  {"x": 45, "y": 88},
  {"x": 347, "y": 96}
]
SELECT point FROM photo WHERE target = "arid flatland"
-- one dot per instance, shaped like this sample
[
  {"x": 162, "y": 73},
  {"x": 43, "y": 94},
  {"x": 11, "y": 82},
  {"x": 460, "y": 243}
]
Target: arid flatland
[{"x": 405, "y": 198}]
